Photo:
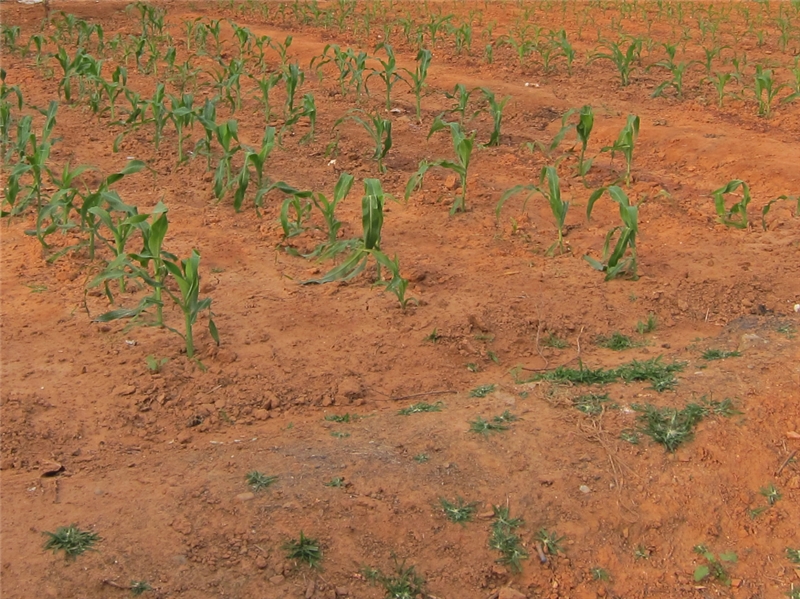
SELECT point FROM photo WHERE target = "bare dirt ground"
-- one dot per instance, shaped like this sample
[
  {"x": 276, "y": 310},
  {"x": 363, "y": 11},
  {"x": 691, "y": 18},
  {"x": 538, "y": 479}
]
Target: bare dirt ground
[{"x": 155, "y": 462}]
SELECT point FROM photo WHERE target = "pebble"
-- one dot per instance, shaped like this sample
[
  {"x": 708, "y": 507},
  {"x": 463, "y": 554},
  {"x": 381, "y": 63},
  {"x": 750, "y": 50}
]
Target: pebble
[
  {"x": 245, "y": 496},
  {"x": 584, "y": 489}
]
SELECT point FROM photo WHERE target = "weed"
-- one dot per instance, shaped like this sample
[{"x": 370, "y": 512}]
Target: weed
[
  {"x": 617, "y": 341},
  {"x": 641, "y": 552},
  {"x": 421, "y": 458},
  {"x": 336, "y": 482},
  {"x": 713, "y": 567},
  {"x": 155, "y": 365},
  {"x": 259, "y": 481},
  {"x": 719, "y": 354},
  {"x": 600, "y": 574},
  {"x": 793, "y": 555},
  {"x": 669, "y": 426},
  {"x": 339, "y": 417},
  {"x": 473, "y": 367},
  {"x": 554, "y": 341},
  {"x": 340, "y": 434},
  {"x": 591, "y": 404},
  {"x": 418, "y": 408},
  {"x": 457, "y": 511},
  {"x": 498, "y": 423},
  {"x": 629, "y": 436},
  {"x": 482, "y": 391},
  {"x": 647, "y": 326},
  {"x": 71, "y": 540},
  {"x": 550, "y": 541},
  {"x": 787, "y": 329},
  {"x": 139, "y": 587},
  {"x": 660, "y": 375},
  {"x": 771, "y": 493},
  {"x": 504, "y": 539},
  {"x": 304, "y": 549},
  {"x": 405, "y": 583}
]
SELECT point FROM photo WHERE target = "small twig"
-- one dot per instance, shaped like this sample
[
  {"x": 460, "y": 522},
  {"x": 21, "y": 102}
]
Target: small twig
[
  {"x": 540, "y": 551},
  {"x": 423, "y": 394},
  {"x": 539, "y": 347},
  {"x": 116, "y": 585},
  {"x": 786, "y": 462}
]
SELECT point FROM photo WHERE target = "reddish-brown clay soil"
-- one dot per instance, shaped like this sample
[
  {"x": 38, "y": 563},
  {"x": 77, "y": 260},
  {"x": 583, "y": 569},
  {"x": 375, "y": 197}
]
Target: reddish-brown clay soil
[{"x": 155, "y": 462}]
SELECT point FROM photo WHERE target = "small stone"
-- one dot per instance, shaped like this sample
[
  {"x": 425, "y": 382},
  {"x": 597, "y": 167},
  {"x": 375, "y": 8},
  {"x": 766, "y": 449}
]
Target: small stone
[
  {"x": 584, "y": 489},
  {"x": 509, "y": 593},
  {"x": 311, "y": 589},
  {"x": 184, "y": 437},
  {"x": 261, "y": 562},
  {"x": 451, "y": 182},
  {"x": 260, "y": 414},
  {"x": 245, "y": 496},
  {"x": 342, "y": 592},
  {"x": 50, "y": 468},
  {"x": 736, "y": 582},
  {"x": 123, "y": 390},
  {"x": 277, "y": 579},
  {"x": 350, "y": 389},
  {"x": 182, "y": 525}
]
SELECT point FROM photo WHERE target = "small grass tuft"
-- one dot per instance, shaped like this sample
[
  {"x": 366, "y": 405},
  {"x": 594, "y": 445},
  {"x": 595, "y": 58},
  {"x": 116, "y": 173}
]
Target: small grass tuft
[
  {"x": 505, "y": 540},
  {"x": 421, "y": 458},
  {"x": 139, "y": 587},
  {"x": 340, "y": 434},
  {"x": 771, "y": 493},
  {"x": 719, "y": 354},
  {"x": 554, "y": 341},
  {"x": 629, "y": 436},
  {"x": 647, "y": 326},
  {"x": 498, "y": 423},
  {"x": 405, "y": 583},
  {"x": 341, "y": 418},
  {"x": 600, "y": 574},
  {"x": 259, "y": 481},
  {"x": 591, "y": 403},
  {"x": 660, "y": 375},
  {"x": 304, "y": 549},
  {"x": 458, "y": 511},
  {"x": 433, "y": 336},
  {"x": 71, "y": 540},
  {"x": 482, "y": 391},
  {"x": 336, "y": 481},
  {"x": 793, "y": 555},
  {"x": 421, "y": 407},
  {"x": 669, "y": 426},
  {"x": 617, "y": 341}
]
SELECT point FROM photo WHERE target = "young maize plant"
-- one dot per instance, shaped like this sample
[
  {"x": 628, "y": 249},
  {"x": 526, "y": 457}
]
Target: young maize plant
[
  {"x": 584, "y": 130},
  {"x": 768, "y": 206},
  {"x": 552, "y": 194},
  {"x": 496, "y": 112},
  {"x": 461, "y": 97},
  {"x": 265, "y": 84},
  {"x": 719, "y": 80},
  {"x": 462, "y": 144},
  {"x": 389, "y": 74},
  {"x": 358, "y": 65},
  {"x": 259, "y": 43},
  {"x": 89, "y": 219},
  {"x": 625, "y": 144},
  {"x": 7, "y": 93},
  {"x": 676, "y": 69},
  {"x": 244, "y": 38},
  {"x": 615, "y": 263},
  {"x": 765, "y": 90},
  {"x": 293, "y": 78},
  {"x": 56, "y": 215},
  {"x": 736, "y": 216},
  {"x": 183, "y": 115},
  {"x": 228, "y": 82},
  {"x": 624, "y": 61},
  {"x": 282, "y": 49},
  {"x": 378, "y": 128},
  {"x": 207, "y": 117},
  {"x": 340, "y": 58},
  {"x": 418, "y": 78},
  {"x": 227, "y": 133},
  {"x": 75, "y": 67},
  {"x": 257, "y": 160},
  {"x": 369, "y": 245}
]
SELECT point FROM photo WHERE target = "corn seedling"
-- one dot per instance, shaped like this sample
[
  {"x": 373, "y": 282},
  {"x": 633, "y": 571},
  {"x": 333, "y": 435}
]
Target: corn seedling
[
  {"x": 421, "y": 407},
  {"x": 719, "y": 80},
  {"x": 615, "y": 262},
  {"x": 378, "y": 128},
  {"x": 736, "y": 216},
  {"x": 457, "y": 511},
  {"x": 552, "y": 193},
  {"x": 227, "y": 135},
  {"x": 584, "y": 130},
  {"x": 505, "y": 540},
  {"x": 496, "y": 111},
  {"x": 256, "y": 159},
  {"x": 258, "y": 481},
  {"x": 154, "y": 365},
  {"x": 293, "y": 78},
  {"x": 713, "y": 568},
  {"x": 765, "y": 90},
  {"x": 768, "y": 206},
  {"x": 207, "y": 117},
  {"x": 340, "y": 58},
  {"x": 418, "y": 78},
  {"x": 624, "y": 61},
  {"x": 58, "y": 210},
  {"x": 7, "y": 94},
  {"x": 461, "y": 97},
  {"x": 183, "y": 115},
  {"x": 388, "y": 73},
  {"x": 462, "y": 144},
  {"x": 265, "y": 85},
  {"x": 677, "y": 70},
  {"x": 304, "y": 549},
  {"x": 71, "y": 540},
  {"x": 625, "y": 143}
]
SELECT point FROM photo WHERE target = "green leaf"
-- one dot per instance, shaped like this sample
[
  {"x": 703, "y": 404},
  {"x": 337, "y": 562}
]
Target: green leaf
[{"x": 700, "y": 573}]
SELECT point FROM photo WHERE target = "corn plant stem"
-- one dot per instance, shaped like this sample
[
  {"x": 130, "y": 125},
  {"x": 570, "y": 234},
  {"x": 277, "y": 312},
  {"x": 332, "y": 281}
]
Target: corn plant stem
[{"x": 189, "y": 337}]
